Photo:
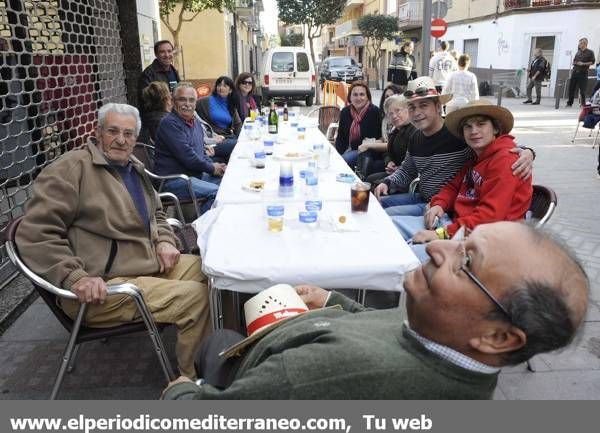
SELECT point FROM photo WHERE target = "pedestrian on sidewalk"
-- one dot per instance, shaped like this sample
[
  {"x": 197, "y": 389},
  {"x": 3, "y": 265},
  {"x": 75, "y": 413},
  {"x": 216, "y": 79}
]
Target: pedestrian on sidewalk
[
  {"x": 535, "y": 73},
  {"x": 441, "y": 65},
  {"x": 597, "y": 86},
  {"x": 579, "y": 74}
]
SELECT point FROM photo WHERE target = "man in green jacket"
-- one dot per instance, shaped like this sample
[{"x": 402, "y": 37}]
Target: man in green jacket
[
  {"x": 94, "y": 219},
  {"x": 473, "y": 308}
]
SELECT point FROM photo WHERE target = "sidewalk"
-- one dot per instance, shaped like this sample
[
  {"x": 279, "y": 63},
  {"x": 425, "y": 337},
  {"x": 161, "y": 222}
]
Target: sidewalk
[{"x": 30, "y": 349}]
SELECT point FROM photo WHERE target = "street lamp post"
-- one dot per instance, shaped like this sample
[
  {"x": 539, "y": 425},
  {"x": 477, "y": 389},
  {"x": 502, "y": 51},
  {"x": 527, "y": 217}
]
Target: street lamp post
[{"x": 426, "y": 37}]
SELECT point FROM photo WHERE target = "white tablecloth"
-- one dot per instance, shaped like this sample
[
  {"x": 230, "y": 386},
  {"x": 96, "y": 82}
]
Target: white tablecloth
[{"x": 242, "y": 255}]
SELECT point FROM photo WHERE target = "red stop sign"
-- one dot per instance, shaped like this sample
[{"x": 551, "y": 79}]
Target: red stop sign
[{"x": 438, "y": 27}]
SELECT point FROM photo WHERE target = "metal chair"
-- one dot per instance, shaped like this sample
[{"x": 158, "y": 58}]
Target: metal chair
[
  {"x": 185, "y": 232},
  {"x": 585, "y": 110},
  {"x": 329, "y": 116},
  {"x": 79, "y": 333},
  {"x": 543, "y": 204},
  {"x": 145, "y": 154}
]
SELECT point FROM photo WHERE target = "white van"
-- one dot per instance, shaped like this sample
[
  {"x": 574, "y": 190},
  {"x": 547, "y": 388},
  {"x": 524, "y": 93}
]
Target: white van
[{"x": 288, "y": 73}]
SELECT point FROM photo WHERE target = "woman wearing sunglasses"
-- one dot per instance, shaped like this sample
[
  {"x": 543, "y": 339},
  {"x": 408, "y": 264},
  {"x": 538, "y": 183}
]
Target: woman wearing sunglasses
[
  {"x": 247, "y": 100},
  {"x": 485, "y": 190},
  {"x": 359, "y": 120}
]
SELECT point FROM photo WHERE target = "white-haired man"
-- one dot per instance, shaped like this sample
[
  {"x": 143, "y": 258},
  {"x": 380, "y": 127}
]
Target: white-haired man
[{"x": 94, "y": 219}]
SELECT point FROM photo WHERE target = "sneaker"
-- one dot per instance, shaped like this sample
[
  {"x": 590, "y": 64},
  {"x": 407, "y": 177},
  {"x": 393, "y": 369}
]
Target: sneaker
[
  {"x": 535, "y": 103},
  {"x": 567, "y": 105},
  {"x": 527, "y": 102}
]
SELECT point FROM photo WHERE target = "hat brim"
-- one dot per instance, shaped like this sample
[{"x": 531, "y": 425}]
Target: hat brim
[
  {"x": 500, "y": 114},
  {"x": 238, "y": 348},
  {"x": 442, "y": 98}
]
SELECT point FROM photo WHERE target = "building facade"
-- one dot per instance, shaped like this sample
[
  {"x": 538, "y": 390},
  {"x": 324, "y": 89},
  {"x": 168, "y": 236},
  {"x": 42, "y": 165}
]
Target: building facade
[{"x": 234, "y": 44}]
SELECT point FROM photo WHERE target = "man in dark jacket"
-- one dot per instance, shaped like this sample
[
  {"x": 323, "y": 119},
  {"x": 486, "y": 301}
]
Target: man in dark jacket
[
  {"x": 161, "y": 69},
  {"x": 402, "y": 67},
  {"x": 472, "y": 309},
  {"x": 180, "y": 149},
  {"x": 584, "y": 58},
  {"x": 535, "y": 73}
]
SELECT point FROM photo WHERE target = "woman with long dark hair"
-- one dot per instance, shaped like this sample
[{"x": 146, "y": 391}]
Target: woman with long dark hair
[
  {"x": 219, "y": 109},
  {"x": 221, "y": 118}
]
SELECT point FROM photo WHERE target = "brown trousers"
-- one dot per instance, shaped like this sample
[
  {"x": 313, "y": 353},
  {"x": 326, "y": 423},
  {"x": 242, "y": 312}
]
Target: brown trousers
[{"x": 179, "y": 297}]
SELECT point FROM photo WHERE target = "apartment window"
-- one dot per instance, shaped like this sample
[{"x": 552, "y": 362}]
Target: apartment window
[
  {"x": 449, "y": 3},
  {"x": 470, "y": 47}
]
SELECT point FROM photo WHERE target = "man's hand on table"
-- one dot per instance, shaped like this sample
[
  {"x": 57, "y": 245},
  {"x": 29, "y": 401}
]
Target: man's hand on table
[{"x": 314, "y": 297}]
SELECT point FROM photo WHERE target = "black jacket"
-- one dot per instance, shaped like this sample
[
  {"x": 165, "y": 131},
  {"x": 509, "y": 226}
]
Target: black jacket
[
  {"x": 153, "y": 73},
  {"x": 370, "y": 127}
]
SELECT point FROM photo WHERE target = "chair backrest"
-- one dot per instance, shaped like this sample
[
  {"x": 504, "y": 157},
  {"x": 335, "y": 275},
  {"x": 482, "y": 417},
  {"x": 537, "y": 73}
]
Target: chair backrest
[
  {"x": 145, "y": 153},
  {"x": 585, "y": 110},
  {"x": 543, "y": 203},
  {"x": 47, "y": 291},
  {"x": 328, "y": 114}
]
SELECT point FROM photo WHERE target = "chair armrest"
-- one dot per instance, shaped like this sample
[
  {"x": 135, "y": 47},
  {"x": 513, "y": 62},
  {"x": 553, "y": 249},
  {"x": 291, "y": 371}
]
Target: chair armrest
[{"x": 177, "y": 176}]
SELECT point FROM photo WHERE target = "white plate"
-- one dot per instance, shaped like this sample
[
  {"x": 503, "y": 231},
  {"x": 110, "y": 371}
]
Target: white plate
[
  {"x": 293, "y": 156},
  {"x": 247, "y": 186}
]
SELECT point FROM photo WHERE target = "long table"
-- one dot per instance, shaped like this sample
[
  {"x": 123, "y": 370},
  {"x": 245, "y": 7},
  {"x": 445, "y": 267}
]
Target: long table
[{"x": 241, "y": 255}]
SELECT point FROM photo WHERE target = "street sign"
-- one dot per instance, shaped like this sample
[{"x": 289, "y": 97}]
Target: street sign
[
  {"x": 438, "y": 28},
  {"x": 439, "y": 9}
]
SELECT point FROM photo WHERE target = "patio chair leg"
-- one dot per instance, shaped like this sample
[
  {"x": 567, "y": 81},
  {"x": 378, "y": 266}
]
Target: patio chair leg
[
  {"x": 155, "y": 337},
  {"x": 66, "y": 358},
  {"x": 596, "y": 138},
  {"x": 575, "y": 135},
  {"x": 73, "y": 359}
]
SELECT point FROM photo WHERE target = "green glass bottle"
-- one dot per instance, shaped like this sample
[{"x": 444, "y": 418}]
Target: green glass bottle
[{"x": 273, "y": 120}]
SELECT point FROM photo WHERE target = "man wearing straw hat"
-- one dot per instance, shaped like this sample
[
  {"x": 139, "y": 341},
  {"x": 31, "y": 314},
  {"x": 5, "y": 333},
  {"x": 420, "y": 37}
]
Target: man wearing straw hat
[
  {"x": 434, "y": 154},
  {"x": 484, "y": 190},
  {"x": 472, "y": 309}
]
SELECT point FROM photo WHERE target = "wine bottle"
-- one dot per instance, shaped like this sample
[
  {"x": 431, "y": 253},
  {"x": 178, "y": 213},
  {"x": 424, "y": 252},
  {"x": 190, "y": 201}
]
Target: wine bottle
[{"x": 273, "y": 120}]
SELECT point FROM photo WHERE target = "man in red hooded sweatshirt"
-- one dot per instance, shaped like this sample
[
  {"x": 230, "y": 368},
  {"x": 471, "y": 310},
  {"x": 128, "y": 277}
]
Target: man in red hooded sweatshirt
[{"x": 484, "y": 191}]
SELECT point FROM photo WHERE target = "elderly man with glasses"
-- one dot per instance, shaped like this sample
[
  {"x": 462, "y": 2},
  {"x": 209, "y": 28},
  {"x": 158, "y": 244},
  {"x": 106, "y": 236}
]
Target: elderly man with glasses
[
  {"x": 180, "y": 149},
  {"x": 94, "y": 219},
  {"x": 473, "y": 308}
]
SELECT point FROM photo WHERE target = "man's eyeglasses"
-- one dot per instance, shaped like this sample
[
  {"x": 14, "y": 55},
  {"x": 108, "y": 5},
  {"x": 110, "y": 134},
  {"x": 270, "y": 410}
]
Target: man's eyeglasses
[
  {"x": 465, "y": 268},
  {"x": 128, "y": 134},
  {"x": 183, "y": 99},
  {"x": 249, "y": 83},
  {"x": 420, "y": 91},
  {"x": 460, "y": 236}
]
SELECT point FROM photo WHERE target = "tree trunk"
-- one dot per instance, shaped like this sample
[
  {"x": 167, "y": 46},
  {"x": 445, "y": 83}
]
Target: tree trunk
[{"x": 312, "y": 54}]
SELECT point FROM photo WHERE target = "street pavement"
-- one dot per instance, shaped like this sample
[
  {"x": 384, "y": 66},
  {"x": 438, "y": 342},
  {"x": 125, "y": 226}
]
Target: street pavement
[{"x": 126, "y": 368}]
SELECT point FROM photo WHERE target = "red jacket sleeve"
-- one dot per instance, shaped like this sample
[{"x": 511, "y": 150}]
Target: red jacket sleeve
[
  {"x": 496, "y": 192},
  {"x": 447, "y": 195}
]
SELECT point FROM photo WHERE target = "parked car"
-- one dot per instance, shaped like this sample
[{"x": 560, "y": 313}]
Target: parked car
[
  {"x": 288, "y": 73},
  {"x": 340, "y": 69}
]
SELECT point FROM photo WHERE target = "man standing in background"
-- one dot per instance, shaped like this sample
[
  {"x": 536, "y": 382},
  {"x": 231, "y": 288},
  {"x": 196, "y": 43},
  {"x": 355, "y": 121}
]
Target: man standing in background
[
  {"x": 161, "y": 69},
  {"x": 535, "y": 73},
  {"x": 441, "y": 65},
  {"x": 579, "y": 74}
]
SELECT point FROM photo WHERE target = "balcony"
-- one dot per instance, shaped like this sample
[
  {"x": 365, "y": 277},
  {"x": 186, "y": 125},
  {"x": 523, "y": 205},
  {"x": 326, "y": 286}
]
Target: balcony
[
  {"x": 521, "y": 4},
  {"x": 353, "y": 4},
  {"x": 243, "y": 8},
  {"x": 347, "y": 28},
  {"x": 410, "y": 15}
]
